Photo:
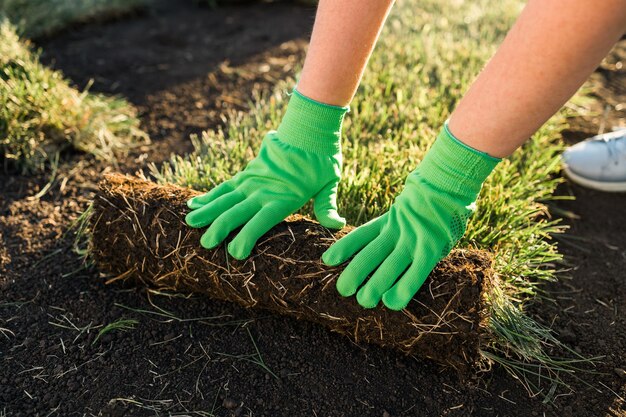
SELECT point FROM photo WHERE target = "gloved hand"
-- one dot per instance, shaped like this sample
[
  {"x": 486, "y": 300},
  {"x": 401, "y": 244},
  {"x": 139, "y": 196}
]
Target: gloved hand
[
  {"x": 299, "y": 161},
  {"x": 426, "y": 220}
]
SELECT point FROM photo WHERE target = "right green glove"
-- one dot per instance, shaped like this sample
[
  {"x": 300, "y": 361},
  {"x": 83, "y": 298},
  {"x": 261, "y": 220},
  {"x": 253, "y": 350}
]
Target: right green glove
[
  {"x": 299, "y": 161},
  {"x": 401, "y": 247}
]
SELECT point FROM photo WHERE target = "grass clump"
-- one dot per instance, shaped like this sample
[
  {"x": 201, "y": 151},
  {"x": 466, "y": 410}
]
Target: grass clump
[
  {"x": 41, "y": 114},
  {"x": 121, "y": 325},
  {"x": 36, "y": 18},
  {"x": 428, "y": 55}
]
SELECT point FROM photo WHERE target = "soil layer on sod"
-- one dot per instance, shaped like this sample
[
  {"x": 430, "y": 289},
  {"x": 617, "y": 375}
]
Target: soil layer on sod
[
  {"x": 189, "y": 355},
  {"x": 144, "y": 221}
]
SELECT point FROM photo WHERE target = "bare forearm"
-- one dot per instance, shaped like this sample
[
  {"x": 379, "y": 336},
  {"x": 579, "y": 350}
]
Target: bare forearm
[
  {"x": 545, "y": 58},
  {"x": 343, "y": 38}
]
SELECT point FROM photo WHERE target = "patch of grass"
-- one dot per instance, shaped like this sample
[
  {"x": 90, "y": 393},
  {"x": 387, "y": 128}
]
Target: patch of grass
[
  {"x": 163, "y": 316},
  {"x": 158, "y": 407},
  {"x": 254, "y": 358},
  {"x": 41, "y": 114},
  {"x": 64, "y": 321},
  {"x": 36, "y": 18},
  {"x": 80, "y": 230},
  {"x": 428, "y": 55},
  {"x": 118, "y": 325}
]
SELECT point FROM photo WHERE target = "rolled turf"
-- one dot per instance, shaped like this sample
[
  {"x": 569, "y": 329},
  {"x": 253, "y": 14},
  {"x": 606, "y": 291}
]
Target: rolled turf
[{"x": 139, "y": 233}]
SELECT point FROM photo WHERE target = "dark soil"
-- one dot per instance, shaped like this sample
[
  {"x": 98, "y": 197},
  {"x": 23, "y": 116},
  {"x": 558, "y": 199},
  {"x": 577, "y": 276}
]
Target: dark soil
[
  {"x": 188, "y": 355},
  {"x": 182, "y": 66}
]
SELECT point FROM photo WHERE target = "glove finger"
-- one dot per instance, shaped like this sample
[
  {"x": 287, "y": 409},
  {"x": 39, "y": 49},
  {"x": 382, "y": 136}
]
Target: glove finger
[
  {"x": 354, "y": 241},
  {"x": 201, "y": 200},
  {"x": 385, "y": 276},
  {"x": 229, "y": 221},
  {"x": 368, "y": 259},
  {"x": 325, "y": 207},
  {"x": 331, "y": 219},
  {"x": 206, "y": 214},
  {"x": 266, "y": 218},
  {"x": 399, "y": 296}
]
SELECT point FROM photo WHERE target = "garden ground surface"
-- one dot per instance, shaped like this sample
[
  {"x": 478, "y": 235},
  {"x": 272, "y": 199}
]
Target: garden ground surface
[{"x": 182, "y": 66}]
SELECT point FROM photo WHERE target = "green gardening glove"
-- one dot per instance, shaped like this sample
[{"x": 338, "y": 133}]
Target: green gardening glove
[
  {"x": 400, "y": 248},
  {"x": 299, "y": 161}
]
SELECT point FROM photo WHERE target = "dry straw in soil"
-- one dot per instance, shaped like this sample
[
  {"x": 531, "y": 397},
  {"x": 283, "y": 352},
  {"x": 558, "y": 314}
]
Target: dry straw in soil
[{"x": 139, "y": 233}]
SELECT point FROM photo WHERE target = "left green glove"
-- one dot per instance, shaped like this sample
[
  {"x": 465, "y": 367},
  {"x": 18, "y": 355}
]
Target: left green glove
[
  {"x": 426, "y": 220},
  {"x": 298, "y": 162}
]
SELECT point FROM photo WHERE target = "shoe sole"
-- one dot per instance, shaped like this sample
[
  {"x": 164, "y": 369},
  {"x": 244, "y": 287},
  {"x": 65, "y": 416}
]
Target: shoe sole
[{"x": 610, "y": 187}]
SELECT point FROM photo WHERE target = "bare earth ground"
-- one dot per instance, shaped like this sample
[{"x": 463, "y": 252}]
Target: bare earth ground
[{"x": 182, "y": 360}]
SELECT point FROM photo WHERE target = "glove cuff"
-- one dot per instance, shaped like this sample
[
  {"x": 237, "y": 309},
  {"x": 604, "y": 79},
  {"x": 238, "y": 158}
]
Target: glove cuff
[
  {"x": 455, "y": 167},
  {"x": 312, "y": 126}
]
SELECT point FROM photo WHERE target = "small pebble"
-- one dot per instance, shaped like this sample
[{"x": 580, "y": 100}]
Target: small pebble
[
  {"x": 620, "y": 372},
  {"x": 386, "y": 414},
  {"x": 229, "y": 404}
]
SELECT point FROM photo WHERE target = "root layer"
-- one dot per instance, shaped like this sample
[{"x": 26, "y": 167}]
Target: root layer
[{"x": 139, "y": 233}]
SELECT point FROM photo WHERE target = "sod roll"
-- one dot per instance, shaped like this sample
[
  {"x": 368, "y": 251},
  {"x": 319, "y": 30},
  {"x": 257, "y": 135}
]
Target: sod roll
[{"x": 139, "y": 233}]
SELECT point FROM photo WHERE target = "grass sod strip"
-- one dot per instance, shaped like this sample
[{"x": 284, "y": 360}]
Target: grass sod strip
[
  {"x": 427, "y": 56},
  {"x": 139, "y": 233},
  {"x": 41, "y": 114},
  {"x": 36, "y": 18}
]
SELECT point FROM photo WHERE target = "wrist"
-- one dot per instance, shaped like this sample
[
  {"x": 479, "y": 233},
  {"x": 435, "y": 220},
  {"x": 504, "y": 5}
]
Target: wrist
[
  {"x": 456, "y": 168},
  {"x": 312, "y": 126}
]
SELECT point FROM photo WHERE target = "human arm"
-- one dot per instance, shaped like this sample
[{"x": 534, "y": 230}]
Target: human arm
[
  {"x": 547, "y": 55},
  {"x": 302, "y": 159},
  {"x": 342, "y": 41}
]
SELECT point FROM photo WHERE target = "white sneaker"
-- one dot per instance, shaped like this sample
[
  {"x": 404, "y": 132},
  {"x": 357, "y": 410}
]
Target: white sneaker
[{"x": 598, "y": 162}]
